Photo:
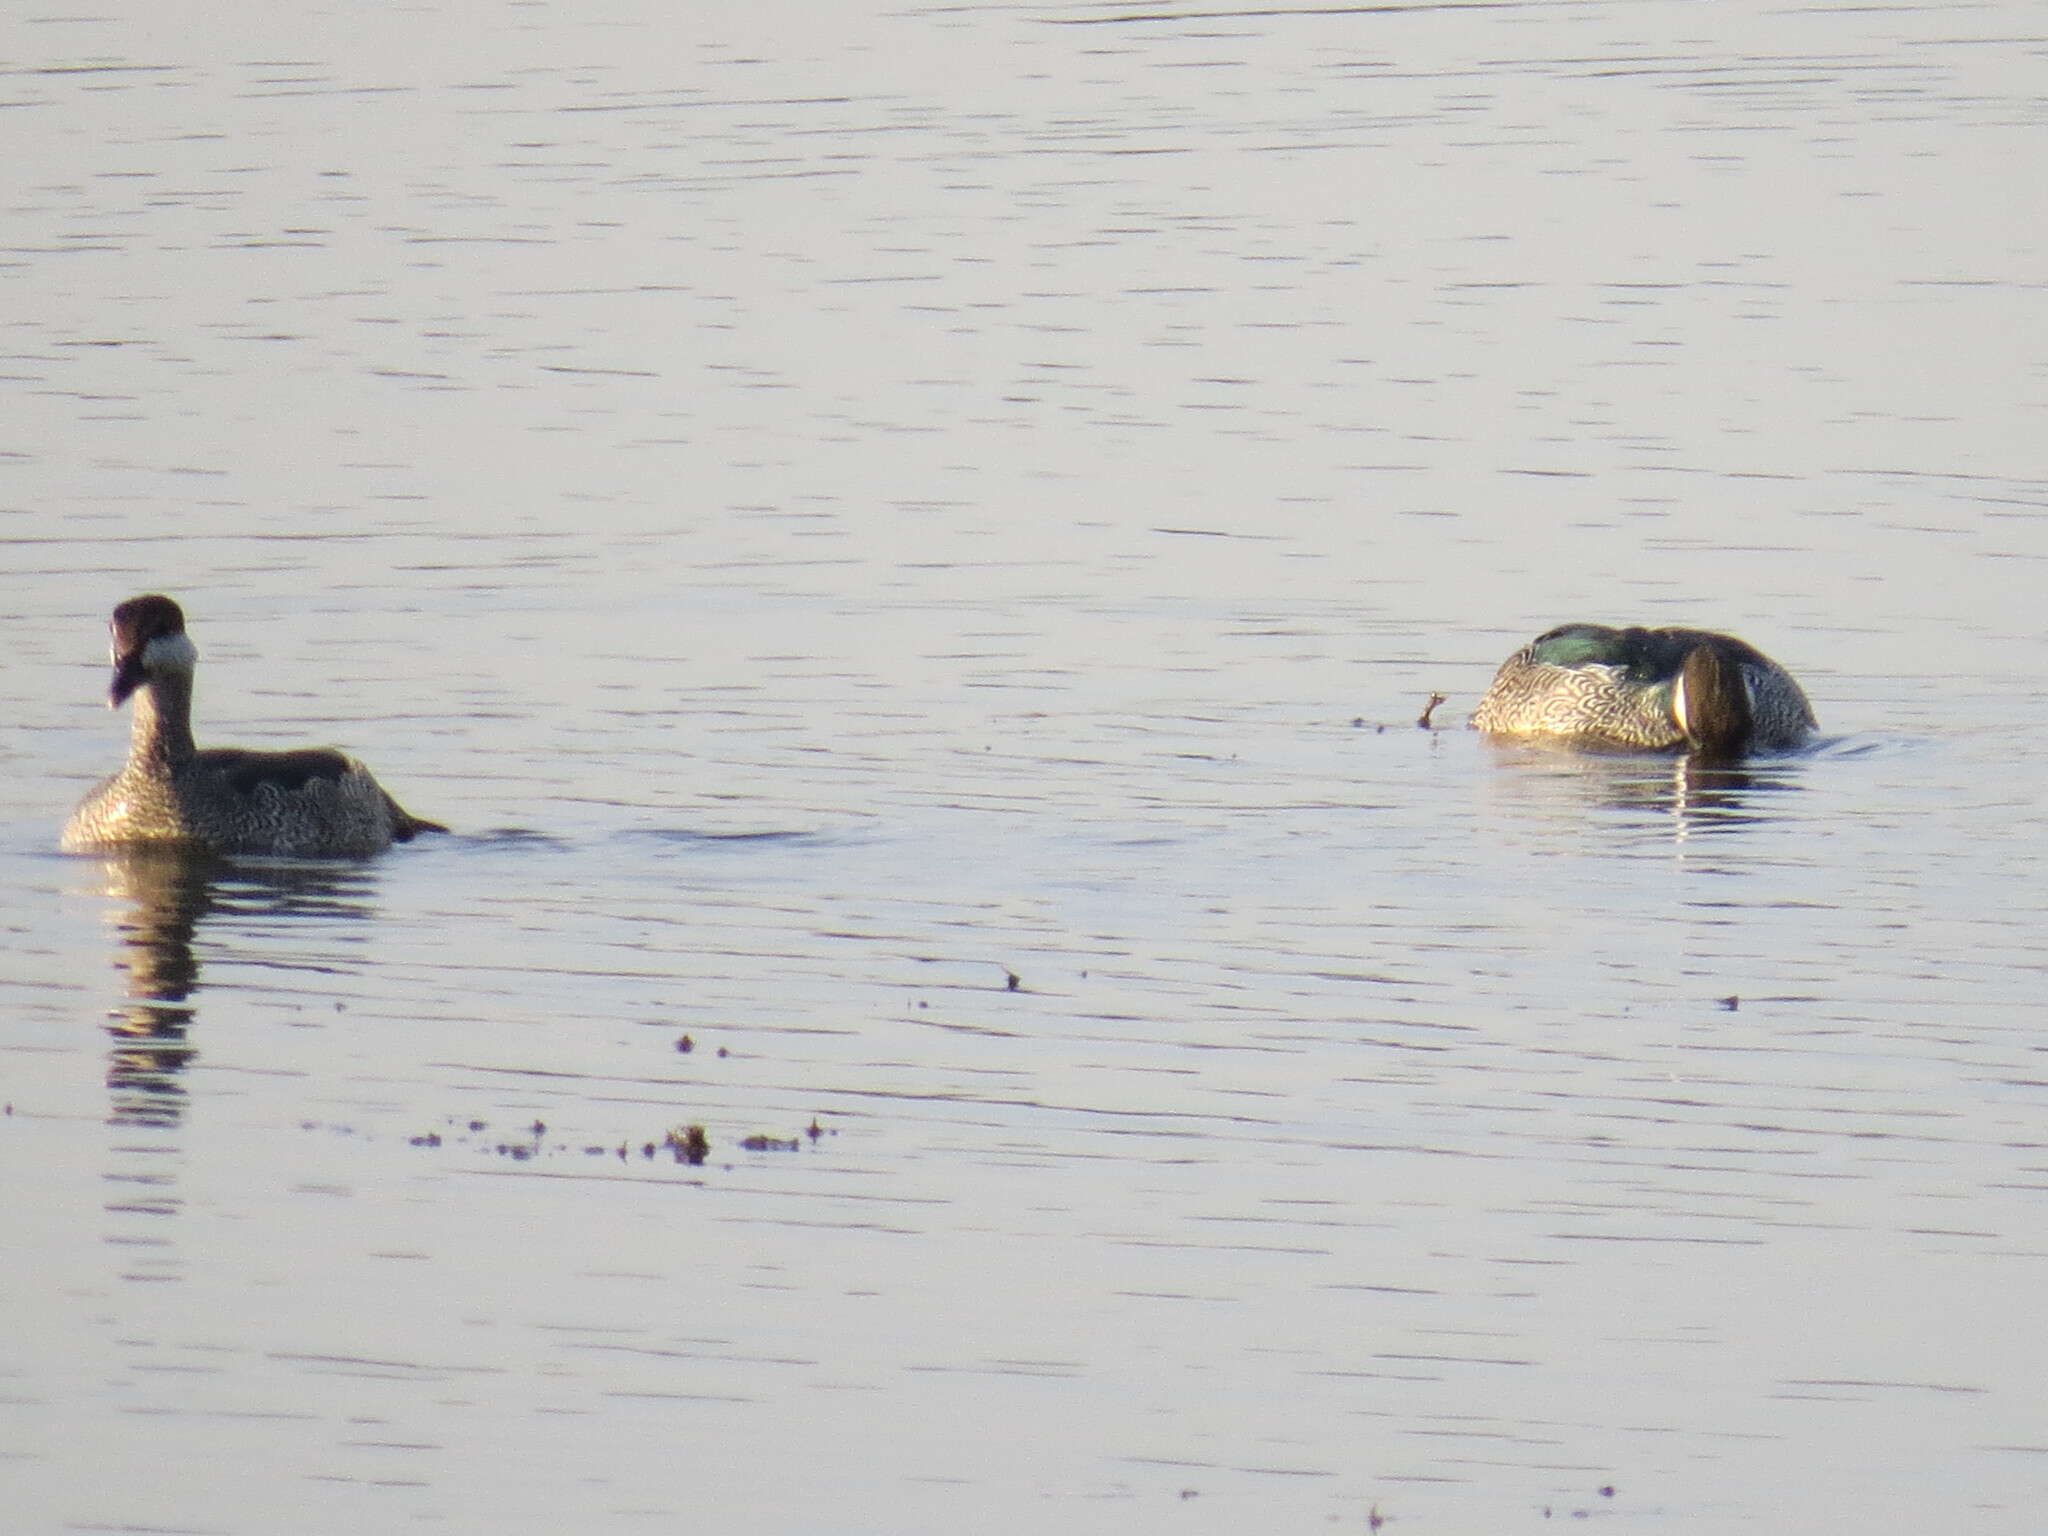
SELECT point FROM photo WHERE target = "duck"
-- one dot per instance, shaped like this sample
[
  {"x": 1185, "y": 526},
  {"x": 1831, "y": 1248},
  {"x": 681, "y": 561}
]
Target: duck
[
  {"x": 312, "y": 802},
  {"x": 1647, "y": 690}
]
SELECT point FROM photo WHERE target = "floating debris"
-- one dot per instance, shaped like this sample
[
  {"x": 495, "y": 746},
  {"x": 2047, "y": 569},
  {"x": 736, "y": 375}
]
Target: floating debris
[
  {"x": 1012, "y": 982},
  {"x": 1422, "y": 720},
  {"x": 685, "y": 1044},
  {"x": 689, "y": 1143}
]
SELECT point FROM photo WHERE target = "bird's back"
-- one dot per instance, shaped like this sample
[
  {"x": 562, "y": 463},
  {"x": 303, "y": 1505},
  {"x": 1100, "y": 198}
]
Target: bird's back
[
  {"x": 1614, "y": 688},
  {"x": 307, "y": 803}
]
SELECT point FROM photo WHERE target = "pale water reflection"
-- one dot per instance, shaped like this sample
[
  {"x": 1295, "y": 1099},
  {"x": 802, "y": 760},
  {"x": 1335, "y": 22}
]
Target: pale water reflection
[
  {"x": 909, "y": 546},
  {"x": 1553, "y": 790},
  {"x": 159, "y": 899}
]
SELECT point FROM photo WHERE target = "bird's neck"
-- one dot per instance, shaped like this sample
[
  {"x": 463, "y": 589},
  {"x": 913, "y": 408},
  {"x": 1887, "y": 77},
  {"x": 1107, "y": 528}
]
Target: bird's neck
[{"x": 162, "y": 731}]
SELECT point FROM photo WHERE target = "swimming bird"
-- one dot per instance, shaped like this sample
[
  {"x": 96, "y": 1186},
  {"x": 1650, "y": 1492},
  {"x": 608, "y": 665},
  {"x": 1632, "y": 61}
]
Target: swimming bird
[
  {"x": 1647, "y": 690},
  {"x": 311, "y": 803}
]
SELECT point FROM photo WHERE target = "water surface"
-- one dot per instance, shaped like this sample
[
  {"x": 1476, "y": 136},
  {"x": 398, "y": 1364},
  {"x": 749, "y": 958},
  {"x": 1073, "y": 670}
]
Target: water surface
[{"x": 844, "y": 508}]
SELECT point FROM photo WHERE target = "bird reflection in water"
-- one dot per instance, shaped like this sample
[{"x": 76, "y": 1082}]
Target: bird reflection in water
[
  {"x": 167, "y": 895},
  {"x": 1691, "y": 795}
]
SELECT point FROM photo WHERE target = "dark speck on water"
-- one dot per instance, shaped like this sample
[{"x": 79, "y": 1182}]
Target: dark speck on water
[{"x": 690, "y": 1144}]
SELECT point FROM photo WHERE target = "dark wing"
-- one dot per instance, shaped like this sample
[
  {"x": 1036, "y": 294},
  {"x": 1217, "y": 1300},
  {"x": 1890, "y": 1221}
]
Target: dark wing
[
  {"x": 245, "y": 771},
  {"x": 1645, "y": 656}
]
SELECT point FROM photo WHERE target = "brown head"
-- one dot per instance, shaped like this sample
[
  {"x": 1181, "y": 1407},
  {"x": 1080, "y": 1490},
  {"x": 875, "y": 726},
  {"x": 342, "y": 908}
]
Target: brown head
[
  {"x": 148, "y": 637},
  {"x": 1710, "y": 702}
]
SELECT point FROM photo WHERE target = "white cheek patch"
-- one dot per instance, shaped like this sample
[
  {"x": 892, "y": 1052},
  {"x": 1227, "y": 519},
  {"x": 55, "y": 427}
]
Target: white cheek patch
[
  {"x": 1679, "y": 714},
  {"x": 170, "y": 653}
]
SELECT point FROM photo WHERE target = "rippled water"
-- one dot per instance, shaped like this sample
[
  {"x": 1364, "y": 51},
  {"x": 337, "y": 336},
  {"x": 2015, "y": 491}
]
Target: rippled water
[{"x": 909, "y": 545}]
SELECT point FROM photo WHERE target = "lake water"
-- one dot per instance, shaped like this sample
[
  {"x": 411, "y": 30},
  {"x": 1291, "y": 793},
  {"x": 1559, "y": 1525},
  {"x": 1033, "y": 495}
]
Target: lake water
[{"x": 841, "y": 508}]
